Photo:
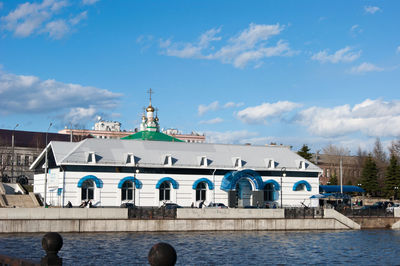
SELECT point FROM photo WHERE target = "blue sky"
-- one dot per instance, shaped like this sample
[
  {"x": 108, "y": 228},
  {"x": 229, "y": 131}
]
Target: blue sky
[{"x": 289, "y": 72}]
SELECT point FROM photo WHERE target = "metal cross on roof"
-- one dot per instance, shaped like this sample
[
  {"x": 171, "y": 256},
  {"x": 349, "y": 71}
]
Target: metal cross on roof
[{"x": 150, "y": 91}]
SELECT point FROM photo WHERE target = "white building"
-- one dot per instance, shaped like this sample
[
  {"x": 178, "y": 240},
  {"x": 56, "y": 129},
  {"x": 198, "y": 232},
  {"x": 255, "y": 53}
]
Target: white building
[
  {"x": 149, "y": 173},
  {"x": 102, "y": 125}
]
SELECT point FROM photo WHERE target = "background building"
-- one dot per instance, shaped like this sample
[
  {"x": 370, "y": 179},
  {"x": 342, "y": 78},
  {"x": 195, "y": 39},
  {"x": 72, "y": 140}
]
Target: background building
[{"x": 16, "y": 156}]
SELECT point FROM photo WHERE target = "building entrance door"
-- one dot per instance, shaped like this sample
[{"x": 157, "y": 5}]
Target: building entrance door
[{"x": 243, "y": 193}]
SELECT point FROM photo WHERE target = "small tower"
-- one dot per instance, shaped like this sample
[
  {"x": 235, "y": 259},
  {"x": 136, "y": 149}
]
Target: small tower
[{"x": 149, "y": 122}]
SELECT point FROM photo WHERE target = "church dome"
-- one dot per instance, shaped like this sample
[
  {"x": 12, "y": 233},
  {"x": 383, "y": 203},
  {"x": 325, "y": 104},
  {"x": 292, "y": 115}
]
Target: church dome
[{"x": 150, "y": 109}]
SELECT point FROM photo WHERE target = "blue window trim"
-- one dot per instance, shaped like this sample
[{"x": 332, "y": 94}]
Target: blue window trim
[
  {"x": 133, "y": 179},
  {"x": 230, "y": 179},
  {"x": 98, "y": 181},
  {"x": 209, "y": 183},
  {"x": 277, "y": 187},
  {"x": 308, "y": 186},
  {"x": 175, "y": 184}
]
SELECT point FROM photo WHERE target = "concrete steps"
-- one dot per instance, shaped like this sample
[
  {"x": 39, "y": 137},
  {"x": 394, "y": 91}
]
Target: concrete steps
[{"x": 19, "y": 201}]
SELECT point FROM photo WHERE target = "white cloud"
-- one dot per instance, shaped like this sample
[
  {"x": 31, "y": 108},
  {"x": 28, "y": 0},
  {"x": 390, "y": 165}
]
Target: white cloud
[
  {"x": 232, "y": 104},
  {"x": 371, "y": 9},
  {"x": 398, "y": 50},
  {"x": 343, "y": 55},
  {"x": 355, "y": 30},
  {"x": 230, "y": 137},
  {"x": 29, "y": 94},
  {"x": 202, "y": 109},
  {"x": 189, "y": 50},
  {"x": 248, "y": 46},
  {"x": 40, "y": 18},
  {"x": 78, "y": 18},
  {"x": 79, "y": 114},
  {"x": 89, "y": 2},
  {"x": 258, "y": 114},
  {"x": 216, "y": 120},
  {"x": 375, "y": 118},
  {"x": 365, "y": 67},
  {"x": 57, "y": 28}
]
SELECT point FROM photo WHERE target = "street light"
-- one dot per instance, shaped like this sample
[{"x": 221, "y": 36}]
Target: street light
[
  {"x": 13, "y": 155},
  {"x": 395, "y": 192},
  {"x": 134, "y": 187},
  {"x": 283, "y": 170},
  {"x": 46, "y": 165}
]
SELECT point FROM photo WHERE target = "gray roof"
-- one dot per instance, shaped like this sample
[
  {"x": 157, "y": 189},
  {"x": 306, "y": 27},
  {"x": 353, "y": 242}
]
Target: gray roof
[{"x": 114, "y": 152}]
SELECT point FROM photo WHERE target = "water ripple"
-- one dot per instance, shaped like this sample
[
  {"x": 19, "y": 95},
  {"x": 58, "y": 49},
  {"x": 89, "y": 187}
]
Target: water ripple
[{"x": 364, "y": 247}]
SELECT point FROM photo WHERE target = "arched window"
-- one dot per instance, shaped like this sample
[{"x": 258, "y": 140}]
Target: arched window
[
  {"x": 269, "y": 192},
  {"x": 301, "y": 187},
  {"x": 127, "y": 190},
  {"x": 201, "y": 190},
  {"x": 165, "y": 190},
  {"x": 87, "y": 189}
]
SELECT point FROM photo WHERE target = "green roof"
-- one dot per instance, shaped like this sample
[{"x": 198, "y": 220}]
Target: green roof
[{"x": 152, "y": 135}]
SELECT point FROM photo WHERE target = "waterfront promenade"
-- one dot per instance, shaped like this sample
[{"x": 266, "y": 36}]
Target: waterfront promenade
[{"x": 31, "y": 220}]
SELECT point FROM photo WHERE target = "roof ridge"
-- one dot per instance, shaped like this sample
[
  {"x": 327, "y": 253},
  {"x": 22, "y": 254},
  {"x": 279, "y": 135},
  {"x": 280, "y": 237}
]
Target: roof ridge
[{"x": 73, "y": 150}]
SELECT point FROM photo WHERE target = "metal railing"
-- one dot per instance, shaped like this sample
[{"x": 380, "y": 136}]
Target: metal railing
[
  {"x": 366, "y": 212},
  {"x": 303, "y": 213},
  {"x": 151, "y": 213}
]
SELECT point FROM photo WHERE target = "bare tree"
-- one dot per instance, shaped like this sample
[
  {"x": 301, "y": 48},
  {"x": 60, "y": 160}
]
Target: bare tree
[
  {"x": 380, "y": 158},
  {"x": 335, "y": 150},
  {"x": 378, "y": 153},
  {"x": 395, "y": 148}
]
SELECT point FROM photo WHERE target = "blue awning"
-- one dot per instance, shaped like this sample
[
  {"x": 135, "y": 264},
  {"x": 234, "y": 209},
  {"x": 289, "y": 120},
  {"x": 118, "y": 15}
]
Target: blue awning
[
  {"x": 330, "y": 196},
  {"x": 336, "y": 188}
]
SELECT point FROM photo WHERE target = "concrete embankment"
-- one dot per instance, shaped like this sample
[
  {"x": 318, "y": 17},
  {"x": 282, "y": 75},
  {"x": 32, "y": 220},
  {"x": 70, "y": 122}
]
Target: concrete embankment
[{"x": 20, "y": 220}]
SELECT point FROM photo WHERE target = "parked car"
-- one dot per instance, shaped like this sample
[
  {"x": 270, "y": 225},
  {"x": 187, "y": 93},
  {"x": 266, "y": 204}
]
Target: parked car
[
  {"x": 171, "y": 206},
  {"x": 128, "y": 205},
  {"x": 216, "y": 205},
  {"x": 378, "y": 205},
  {"x": 393, "y": 207}
]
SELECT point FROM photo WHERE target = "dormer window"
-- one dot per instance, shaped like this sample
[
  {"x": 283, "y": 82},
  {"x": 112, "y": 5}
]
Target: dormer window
[
  {"x": 301, "y": 165},
  {"x": 167, "y": 160},
  {"x": 131, "y": 159},
  {"x": 91, "y": 157},
  {"x": 203, "y": 161},
  {"x": 269, "y": 163},
  {"x": 237, "y": 162}
]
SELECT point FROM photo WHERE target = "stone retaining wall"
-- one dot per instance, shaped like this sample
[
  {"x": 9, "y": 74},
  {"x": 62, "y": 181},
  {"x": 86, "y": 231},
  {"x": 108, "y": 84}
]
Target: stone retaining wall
[
  {"x": 25, "y": 226},
  {"x": 62, "y": 213},
  {"x": 211, "y": 213},
  {"x": 21, "y": 220}
]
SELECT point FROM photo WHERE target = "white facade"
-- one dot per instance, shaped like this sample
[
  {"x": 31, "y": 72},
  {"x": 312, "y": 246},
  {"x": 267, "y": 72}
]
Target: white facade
[
  {"x": 236, "y": 175},
  {"x": 102, "y": 125}
]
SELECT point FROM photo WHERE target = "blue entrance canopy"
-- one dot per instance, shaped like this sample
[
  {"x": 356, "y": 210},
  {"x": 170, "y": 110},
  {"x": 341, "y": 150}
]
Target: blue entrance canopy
[
  {"x": 335, "y": 188},
  {"x": 330, "y": 196}
]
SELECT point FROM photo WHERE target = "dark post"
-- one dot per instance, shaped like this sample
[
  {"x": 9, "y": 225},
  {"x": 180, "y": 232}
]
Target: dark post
[
  {"x": 52, "y": 243},
  {"x": 162, "y": 254}
]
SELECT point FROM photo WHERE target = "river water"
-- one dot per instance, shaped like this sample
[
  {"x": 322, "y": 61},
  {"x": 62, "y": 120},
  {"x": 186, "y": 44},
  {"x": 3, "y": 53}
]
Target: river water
[{"x": 358, "y": 247}]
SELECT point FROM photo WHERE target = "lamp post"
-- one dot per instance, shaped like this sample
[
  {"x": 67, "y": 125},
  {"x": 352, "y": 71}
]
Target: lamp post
[
  {"x": 283, "y": 170},
  {"x": 13, "y": 155},
  {"x": 214, "y": 185},
  {"x": 134, "y": 187},
  {"x": 46, "y": 165}
]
